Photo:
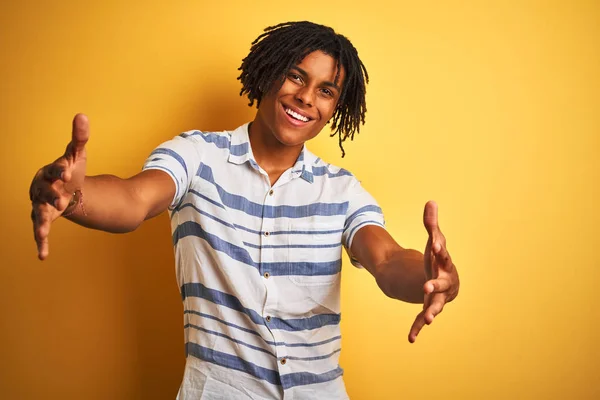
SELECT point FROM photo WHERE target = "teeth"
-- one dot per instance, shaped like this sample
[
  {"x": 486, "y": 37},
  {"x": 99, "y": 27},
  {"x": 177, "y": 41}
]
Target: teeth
[{"x": 296, "y": 115}]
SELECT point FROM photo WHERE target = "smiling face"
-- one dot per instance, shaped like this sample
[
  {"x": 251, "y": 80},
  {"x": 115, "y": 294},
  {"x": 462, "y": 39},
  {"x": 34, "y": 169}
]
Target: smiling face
[{"x": 305, "y": 102}]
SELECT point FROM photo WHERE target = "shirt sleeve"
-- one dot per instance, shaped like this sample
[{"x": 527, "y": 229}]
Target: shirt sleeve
[
  {"x": 180, "y": 158},
  {"x": 363, "y": 210}
]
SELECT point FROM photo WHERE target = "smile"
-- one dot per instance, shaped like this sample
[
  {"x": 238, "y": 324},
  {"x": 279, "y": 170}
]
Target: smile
[{"x": 295, "y": 115}]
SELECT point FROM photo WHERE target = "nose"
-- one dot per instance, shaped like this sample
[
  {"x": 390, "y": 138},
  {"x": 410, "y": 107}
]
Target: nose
[{"x": 305, "y": 96}]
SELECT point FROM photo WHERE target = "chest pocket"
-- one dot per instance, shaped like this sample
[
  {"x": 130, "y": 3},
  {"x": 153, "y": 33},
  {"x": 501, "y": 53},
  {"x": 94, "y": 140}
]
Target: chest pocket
[{"x": 314, "y": 252}]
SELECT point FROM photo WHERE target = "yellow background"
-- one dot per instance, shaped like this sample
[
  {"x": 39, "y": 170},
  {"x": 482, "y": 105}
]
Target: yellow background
[{"x": 490, "y": 108}]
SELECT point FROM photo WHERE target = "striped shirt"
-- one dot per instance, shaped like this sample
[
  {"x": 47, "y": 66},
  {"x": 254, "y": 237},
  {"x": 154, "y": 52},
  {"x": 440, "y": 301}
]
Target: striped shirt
[{"x": 259, "y": 266}]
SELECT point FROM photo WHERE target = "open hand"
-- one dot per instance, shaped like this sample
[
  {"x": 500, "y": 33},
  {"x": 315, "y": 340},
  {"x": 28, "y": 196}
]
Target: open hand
[
  {"x": 442, "y": 277},
  {"x": 53, "y": 186}
]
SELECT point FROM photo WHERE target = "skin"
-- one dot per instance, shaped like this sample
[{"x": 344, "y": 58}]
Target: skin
[{"x": 309, "y": 89}]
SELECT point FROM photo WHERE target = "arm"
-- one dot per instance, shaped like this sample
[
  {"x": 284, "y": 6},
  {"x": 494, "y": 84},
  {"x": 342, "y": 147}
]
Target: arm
[
  {"x": 430, "y": 278},
  {"x": 103, "y": 202},
  {"x": 399, "y": 272},
  {"x": 117, "y": 205}
]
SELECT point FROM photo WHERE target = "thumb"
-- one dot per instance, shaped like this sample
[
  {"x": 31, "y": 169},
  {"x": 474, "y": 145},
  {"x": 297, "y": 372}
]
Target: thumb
[
  {"x": 80, "y": 135},
  {"x": 430, "y": 217}
]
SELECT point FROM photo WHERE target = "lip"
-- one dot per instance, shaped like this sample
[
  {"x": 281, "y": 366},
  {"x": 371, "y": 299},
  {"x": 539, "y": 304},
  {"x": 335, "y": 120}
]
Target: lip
[{"x": 294, "y": 121}]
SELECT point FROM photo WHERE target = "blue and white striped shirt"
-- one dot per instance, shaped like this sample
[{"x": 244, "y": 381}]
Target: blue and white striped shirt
[{"x": 259, "y": 267}]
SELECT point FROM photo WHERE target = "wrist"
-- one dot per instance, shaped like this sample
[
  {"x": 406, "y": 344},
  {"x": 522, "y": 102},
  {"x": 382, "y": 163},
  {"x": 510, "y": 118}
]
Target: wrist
[{"x": 75, "y": 204}]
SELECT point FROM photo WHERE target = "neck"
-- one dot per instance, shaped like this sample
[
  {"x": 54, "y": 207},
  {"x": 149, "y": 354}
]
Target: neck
[{"x": 273, "y": 156}]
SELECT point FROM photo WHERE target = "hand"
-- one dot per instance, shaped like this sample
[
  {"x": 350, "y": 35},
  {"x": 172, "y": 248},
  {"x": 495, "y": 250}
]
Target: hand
[
  {"x": 53, "y": 186},
  {"x": 442, "y": 278}
]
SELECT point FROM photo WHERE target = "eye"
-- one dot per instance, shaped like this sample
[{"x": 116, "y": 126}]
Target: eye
[
  {"x": 327, "y": 92},
  {"x": 295, "y": 77}
]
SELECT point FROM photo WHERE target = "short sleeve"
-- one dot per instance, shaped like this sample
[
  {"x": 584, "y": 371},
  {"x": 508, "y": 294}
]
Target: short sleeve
[
  {"x": 363, "y": 210},
  {"x": 180, "y": 158}
]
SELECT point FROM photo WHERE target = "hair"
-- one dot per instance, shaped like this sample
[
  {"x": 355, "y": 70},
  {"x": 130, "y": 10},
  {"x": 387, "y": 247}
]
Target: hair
[{"x": 282, "y": 46}]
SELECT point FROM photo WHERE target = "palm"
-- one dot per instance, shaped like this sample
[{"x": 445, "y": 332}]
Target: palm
[
  {"x": 441, "y": 275},
  {"x": 53, "y": 186}
]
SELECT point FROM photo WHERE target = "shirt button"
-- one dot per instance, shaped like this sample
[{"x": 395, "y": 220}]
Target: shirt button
[
  {"x": 267, "y": 233},
  {"x": 271, "y": 192},
  {"x": 268, "y": 318},
  {"x": 267, "y": 275},
  {"x": 283, "y": 361}
]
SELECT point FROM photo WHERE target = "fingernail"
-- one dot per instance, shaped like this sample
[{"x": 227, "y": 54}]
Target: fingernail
[{"x": 55, "y": 203}]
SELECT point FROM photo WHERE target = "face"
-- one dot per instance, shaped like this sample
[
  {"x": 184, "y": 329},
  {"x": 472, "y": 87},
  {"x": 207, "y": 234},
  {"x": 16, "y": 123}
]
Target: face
[{"x": 304, "y": 104}]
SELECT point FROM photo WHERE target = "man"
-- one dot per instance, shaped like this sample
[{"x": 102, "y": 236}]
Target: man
[{"x": 259, "y": 223}]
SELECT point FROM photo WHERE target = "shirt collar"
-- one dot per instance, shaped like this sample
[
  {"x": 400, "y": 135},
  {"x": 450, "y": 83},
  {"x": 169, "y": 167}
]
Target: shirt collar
[
  {"x": 303, "y": 166},
  {"x": 239, "y": 146},
  {"x": 240, "y": 152}
]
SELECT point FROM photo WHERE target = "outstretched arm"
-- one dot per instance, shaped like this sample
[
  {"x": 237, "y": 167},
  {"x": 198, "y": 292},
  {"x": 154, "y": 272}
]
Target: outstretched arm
[
  {"x": 102, "y": 202},
  {"x": 430, "y": 278}
]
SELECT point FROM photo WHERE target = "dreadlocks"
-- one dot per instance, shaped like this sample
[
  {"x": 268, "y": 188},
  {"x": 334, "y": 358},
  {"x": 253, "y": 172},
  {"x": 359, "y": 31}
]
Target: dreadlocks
[{"x": 282, "y": 46}]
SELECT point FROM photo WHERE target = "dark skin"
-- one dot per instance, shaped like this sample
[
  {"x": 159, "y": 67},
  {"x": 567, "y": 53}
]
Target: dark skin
[
  {"x": 288, "y": 116},
  {"x": 430, "y": 278},
  {"x": 309, "y": 89}
]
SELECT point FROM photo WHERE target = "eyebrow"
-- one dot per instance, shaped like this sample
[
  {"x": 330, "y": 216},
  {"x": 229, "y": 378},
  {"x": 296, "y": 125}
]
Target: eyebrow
[{"x": 326, "y": 83}]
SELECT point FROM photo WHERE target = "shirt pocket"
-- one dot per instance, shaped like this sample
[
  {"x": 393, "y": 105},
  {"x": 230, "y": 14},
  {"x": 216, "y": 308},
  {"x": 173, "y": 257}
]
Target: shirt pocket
[{"x": 314, "y": 252}]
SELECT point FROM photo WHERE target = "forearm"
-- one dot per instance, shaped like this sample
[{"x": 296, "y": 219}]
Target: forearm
[
  {"x": 108, "y": 203},
  {"x": 402, "y": 275}
]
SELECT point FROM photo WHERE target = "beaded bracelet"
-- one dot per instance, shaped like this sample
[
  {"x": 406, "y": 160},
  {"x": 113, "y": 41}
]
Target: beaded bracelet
[{"x": 76, "y": 201}]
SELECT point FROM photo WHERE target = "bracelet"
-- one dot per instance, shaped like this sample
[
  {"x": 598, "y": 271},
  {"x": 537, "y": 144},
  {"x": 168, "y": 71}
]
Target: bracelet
[{"x": 76, "y": 201}]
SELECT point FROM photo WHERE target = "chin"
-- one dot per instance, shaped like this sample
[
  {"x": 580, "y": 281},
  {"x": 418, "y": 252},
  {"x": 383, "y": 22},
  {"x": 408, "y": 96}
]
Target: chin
[{"x": 290, "y": 138}]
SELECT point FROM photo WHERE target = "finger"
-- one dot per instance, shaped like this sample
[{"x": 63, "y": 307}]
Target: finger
[
  {"x": 34, "y": 191},
  {"x": 416, "y": 327},
  {"x": 426, "y": 301},
  {"x": 436, "y": 286},
  {"x": 442, "y": 257},
  {"x": 41, "y": 229},
  {"x": 436, "y": 307},
  {"x": 61, "y": 203},
  {"x": 428, "y": 259},
  {"x": 430, "y": 217},
  {"x": 80, "y": 135},
  {"x": 49, "y": 193},
  {"x": 33, "y": 188},
  {"x": 438, "y": 240},
  {"x": 56, "y": 170}
]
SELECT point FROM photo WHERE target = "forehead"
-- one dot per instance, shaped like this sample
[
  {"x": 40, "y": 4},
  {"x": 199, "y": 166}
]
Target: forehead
[{"x": 321, "y": 67}]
